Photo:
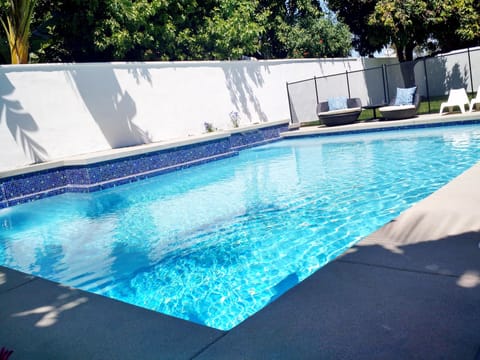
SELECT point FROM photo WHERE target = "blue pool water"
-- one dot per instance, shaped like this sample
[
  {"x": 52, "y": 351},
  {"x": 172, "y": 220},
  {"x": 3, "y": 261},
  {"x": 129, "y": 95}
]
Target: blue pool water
[{"x": 215, "y": 243}]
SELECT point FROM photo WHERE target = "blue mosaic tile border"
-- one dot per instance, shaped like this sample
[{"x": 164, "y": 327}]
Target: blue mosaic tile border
[
  {"x": 248, "y": 139},
  {"x": 3, "y": 198},
  {"x": 33, "y": 183},
  {"x": 139, "y": 176},
  {"x": 32, "y": 186}
]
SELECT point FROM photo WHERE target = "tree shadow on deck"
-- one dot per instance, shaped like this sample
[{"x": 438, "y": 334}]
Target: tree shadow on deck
[
  {"x": 453, "y": 256},
  {"x": 417, "y": 300}
]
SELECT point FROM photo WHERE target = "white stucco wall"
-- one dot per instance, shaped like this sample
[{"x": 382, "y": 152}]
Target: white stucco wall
[{"x": 53, "y": 111}]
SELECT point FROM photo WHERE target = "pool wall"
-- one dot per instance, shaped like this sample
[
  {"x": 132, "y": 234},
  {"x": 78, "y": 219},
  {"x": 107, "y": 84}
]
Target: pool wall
[{"x": 95, "y": 175}]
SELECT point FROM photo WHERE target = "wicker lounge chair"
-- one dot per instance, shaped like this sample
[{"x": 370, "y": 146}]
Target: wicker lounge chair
[
  {"x": 342, "y": 116},
  {"x": 456, "y": 97},
  {"x": 397, "y": 112}
]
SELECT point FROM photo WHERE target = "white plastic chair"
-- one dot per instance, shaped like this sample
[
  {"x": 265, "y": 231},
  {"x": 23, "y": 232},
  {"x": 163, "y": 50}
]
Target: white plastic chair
[
  {"x": 457, "y": 97},
  {"x": 475, "y": 100}
]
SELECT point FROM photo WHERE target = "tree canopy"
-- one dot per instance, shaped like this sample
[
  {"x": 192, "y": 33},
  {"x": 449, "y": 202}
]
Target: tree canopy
[
  {"x": 138, "y": 30},
  {"x": 311, "y": 35},
  {"x": 448, "y": 24}
]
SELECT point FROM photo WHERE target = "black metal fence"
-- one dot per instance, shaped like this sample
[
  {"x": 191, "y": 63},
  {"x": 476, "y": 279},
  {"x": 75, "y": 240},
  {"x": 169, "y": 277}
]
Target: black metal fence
[{"x": 433, "y": 76}]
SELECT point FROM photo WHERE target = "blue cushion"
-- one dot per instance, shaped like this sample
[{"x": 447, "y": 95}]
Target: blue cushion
[
  {"x": 337, "y": 103},
  {"x": 405, "y": 96}
]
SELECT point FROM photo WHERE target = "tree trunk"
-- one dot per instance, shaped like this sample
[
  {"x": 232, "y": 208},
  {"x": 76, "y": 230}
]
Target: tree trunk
[
  {"x": 405, "y": 52},
  {"x": 408, "y": 73},
  {"x": 409, "y": 51},
  {"x": 400, "y": 54},
  {"x": 19, "y": 51},
  {"x": 405, "y": 57}
]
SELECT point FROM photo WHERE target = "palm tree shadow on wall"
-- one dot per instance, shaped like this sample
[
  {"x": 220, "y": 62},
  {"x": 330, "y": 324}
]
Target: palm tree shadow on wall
[
  {"x": 112, "y": 108},
  {"x": 241, "y": 92},
  {"x": 19, "y": 122}
]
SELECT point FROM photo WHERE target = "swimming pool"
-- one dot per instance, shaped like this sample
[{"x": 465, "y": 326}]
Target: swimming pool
[{"x": 215, "y": 243}]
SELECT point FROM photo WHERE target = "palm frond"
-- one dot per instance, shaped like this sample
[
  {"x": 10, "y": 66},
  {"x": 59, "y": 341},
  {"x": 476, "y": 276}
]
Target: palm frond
[{"x": 17, "y": 29}]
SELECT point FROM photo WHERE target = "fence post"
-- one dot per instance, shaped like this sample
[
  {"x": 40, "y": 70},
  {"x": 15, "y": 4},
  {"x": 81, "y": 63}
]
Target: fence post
[
  {"x": 386, "y": 82},
  {"x": 289, "y": 105},
  {"x": 385, "y": 100},
  {"x": 348, "y": 84},
  {"x": 316, "y": 90},
  {"x": 426, "y": 84},
  {"x": 470, "y": 67}
]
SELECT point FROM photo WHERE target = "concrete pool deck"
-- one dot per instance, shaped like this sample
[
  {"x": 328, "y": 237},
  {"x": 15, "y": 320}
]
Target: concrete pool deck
[
  {"x": 411, "y": 290},
  {"x": 375, "y": 124}
]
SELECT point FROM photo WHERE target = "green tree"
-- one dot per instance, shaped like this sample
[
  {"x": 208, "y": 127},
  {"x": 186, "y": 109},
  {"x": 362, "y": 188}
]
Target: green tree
[
  {"x": 271, "y": 43},
  {"x": 458, "y": 25},
  {"x": 64, "y": 30},
  {"x": 298, "y": 28},
  {"x": 410, "y": 23},
  {"x": 406, "y": 22},
  {"x": 185, "y": 23},
  {"x": 106, "y": 30},
  {"x": 131, "y": 29},
  {"x": 234, "y": 29},
  {"x": 367, "y": 38},
  {"x": 148, "y": 29},
  {"x": 318, "y": 37}
]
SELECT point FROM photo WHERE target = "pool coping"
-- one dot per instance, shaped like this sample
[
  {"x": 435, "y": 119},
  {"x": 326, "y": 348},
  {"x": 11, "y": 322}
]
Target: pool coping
[
  {"x": 421, "y": 121},
  {"x": 402, "y": 307}
]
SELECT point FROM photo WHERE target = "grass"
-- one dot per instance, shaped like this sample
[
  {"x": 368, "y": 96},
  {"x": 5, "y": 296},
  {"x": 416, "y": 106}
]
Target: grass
[{"x": 435, "y": 103}]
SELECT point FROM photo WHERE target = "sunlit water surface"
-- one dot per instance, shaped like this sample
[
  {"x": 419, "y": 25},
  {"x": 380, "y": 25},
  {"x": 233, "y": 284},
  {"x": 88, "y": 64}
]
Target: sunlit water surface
[{"x": 215, "y": 243}]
